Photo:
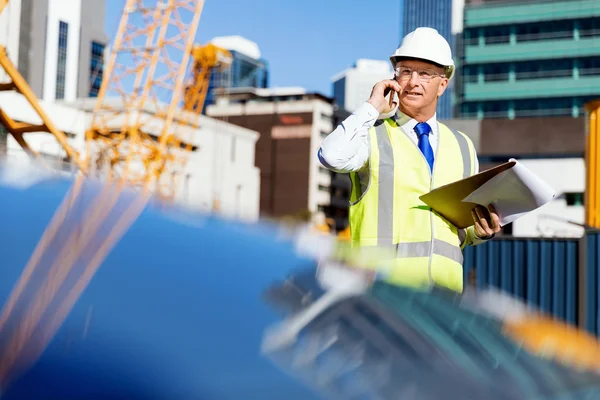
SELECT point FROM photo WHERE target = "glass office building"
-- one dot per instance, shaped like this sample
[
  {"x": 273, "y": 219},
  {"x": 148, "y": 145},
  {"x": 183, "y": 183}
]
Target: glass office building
[
  {"x": 529, "y": 58},
  {"x": 436, "y": 14},
  {"x": 245, "y": 72}
]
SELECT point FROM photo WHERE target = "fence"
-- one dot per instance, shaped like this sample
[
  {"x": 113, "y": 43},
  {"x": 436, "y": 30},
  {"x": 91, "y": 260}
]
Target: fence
[{"x": 559, "y": 276}]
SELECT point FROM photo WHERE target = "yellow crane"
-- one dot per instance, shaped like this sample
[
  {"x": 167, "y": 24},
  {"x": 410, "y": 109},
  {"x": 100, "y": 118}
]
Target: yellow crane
[
  {"x": 119, "y": 144},
  {"x": 207, "y": 58},
  {"x": 138, "y": 132},
  {"x": 137, "y": 137},
  {"x": 119, "y": 136}
]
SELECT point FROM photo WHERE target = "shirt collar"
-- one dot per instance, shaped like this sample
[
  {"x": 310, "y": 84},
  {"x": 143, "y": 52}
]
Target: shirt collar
[{"x": 407, "y": 123}]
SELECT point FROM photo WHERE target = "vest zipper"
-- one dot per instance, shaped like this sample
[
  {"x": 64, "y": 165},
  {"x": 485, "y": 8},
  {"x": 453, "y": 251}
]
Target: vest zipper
[{"x": 431, "y": 174}]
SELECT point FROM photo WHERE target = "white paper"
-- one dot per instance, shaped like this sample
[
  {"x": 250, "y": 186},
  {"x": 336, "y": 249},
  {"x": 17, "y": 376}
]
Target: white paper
[{"x": 514, "y": 193}]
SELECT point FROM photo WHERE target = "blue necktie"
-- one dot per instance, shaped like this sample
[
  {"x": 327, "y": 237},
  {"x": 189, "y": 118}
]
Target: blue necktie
[{"x": 423, "y": 129}]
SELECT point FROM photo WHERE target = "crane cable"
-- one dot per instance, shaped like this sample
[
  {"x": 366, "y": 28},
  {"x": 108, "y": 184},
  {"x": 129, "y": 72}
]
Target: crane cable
[
  {"x": 70, "y": 262},
  {"x": 15, "y": 356}
]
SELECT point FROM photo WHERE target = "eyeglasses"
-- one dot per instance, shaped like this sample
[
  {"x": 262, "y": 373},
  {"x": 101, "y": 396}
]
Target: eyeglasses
[{"x": 425, "y": 74}]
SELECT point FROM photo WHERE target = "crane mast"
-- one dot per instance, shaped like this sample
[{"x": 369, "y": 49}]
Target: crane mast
[
  {"x": 207, "y": 58},
  {"x": 136, "y": 138},
  {"x": 132, "y": 136}
]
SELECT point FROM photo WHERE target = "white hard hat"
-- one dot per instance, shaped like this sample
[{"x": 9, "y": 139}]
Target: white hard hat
[{"x": 426, "y": 44}]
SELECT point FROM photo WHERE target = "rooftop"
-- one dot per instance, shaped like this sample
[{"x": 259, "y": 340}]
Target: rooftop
[
  {"x": 249, "y": 93},
  {"x": 511, "y": 12},
  {"x": 239, "y": 44},
  {"x": 379, "y": 66},
  {"x": 184, "y": 122},
  {"x": 367, "y": 66}
]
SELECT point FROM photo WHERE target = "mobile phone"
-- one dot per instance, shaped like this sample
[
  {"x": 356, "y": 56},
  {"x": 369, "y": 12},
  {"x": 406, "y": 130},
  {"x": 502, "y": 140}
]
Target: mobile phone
[
  {"x": 391, "y": 92},
  {"x": 392, "y": 98}
]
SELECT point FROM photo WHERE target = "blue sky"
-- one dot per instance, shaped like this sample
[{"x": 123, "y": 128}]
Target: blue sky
[{"x": 306, "y": 42}]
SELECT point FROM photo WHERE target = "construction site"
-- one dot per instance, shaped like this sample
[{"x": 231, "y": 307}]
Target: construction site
[{"x": 171, "y": 230}]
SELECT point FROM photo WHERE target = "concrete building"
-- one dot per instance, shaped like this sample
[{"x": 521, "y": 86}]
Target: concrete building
[
  {"x": 526, "y": 71},
  {"x": 554, "y": 151},
  {"x": 352, "y": 87},
  {"x": 220, "y": 171},
  {"x": 292, "y": 124},
  {"x": 248, "y": 69},
  {"x": 435, "y": 14},
  {"x": 57, "y": 45},
  {"x": 529, "y": 59}
]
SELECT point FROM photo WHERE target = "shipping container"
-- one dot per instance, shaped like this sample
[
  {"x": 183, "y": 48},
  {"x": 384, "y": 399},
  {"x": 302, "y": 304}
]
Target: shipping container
[
  {"x": 543, "y": 272},
  {"x": 589, "y": 282}
]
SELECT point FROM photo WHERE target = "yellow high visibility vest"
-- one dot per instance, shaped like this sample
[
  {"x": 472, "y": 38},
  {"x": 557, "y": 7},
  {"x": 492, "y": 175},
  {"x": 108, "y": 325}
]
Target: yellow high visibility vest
[{"x": 420, "y": 247}]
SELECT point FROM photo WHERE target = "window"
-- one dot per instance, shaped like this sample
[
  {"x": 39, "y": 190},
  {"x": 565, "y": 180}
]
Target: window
[
  {"x": 574, "y": 199},
  {"x": 324, "y": 134},
  {"x": 324, "y": 188},
  {"x": 327, "y": 118},
  {"x": 323, "y": 170},
  {"x": 96, "y": 68},
  {"x": 61, "y": 64},
  {"x": 339, "y": 92}
]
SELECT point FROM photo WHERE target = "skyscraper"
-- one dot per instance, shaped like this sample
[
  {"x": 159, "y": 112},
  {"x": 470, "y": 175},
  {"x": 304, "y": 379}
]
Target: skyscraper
[
  {"x": 529, "y": 59},
  {"x": 352, "y": 87},
  {"x": 435, "y": 14},
  {"x": 248, "y": 69},
  {"x": 57, "y": 45}
]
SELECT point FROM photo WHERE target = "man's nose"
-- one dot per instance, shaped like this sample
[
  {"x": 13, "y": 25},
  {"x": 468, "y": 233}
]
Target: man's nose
[{"x": 414, "y": 79}]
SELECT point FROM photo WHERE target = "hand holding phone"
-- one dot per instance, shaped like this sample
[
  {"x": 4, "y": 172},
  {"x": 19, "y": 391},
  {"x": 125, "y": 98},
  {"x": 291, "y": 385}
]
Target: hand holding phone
[{"x": 383, "y": 89}]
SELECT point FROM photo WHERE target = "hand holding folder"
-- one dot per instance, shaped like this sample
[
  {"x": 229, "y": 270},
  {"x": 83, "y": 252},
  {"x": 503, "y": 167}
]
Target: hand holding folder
[{"x": 510, "y": 187}]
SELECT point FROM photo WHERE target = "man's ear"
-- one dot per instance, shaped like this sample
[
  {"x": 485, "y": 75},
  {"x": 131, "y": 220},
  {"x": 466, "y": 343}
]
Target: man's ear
[{"x": 442, "y": 87}]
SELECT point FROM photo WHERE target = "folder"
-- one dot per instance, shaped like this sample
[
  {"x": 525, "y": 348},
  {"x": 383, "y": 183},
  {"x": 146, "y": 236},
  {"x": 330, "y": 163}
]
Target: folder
[{"x": 510, "y": 187}]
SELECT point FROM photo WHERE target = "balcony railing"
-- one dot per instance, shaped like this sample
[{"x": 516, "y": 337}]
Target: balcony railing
[
  {"x": 527, "y": 51},
  {"x": 487, "y": 3},
  {"x": 536, "y": 88},
  {"x": 557, "y": 112},
  {"x": 505, "y": 76},
  {"x": 570, "y": 34},
  {"x": 527, "y": 12}
]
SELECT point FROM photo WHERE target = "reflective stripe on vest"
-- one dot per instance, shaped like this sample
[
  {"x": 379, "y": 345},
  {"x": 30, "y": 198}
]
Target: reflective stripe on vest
[
  {"x": 386, "y": 198},
  {"x": 395, "y": 182}
]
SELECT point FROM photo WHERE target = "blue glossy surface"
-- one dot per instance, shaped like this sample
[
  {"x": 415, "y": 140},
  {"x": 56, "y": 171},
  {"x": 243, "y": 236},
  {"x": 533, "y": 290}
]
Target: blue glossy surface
[{"x": 175, "y": 311}]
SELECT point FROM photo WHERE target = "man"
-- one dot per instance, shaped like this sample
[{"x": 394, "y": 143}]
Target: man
[{"x": 396, "y": 152}]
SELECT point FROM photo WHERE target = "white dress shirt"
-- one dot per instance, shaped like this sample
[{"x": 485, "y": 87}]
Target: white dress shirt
[{"x": 346, "y": 149}]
